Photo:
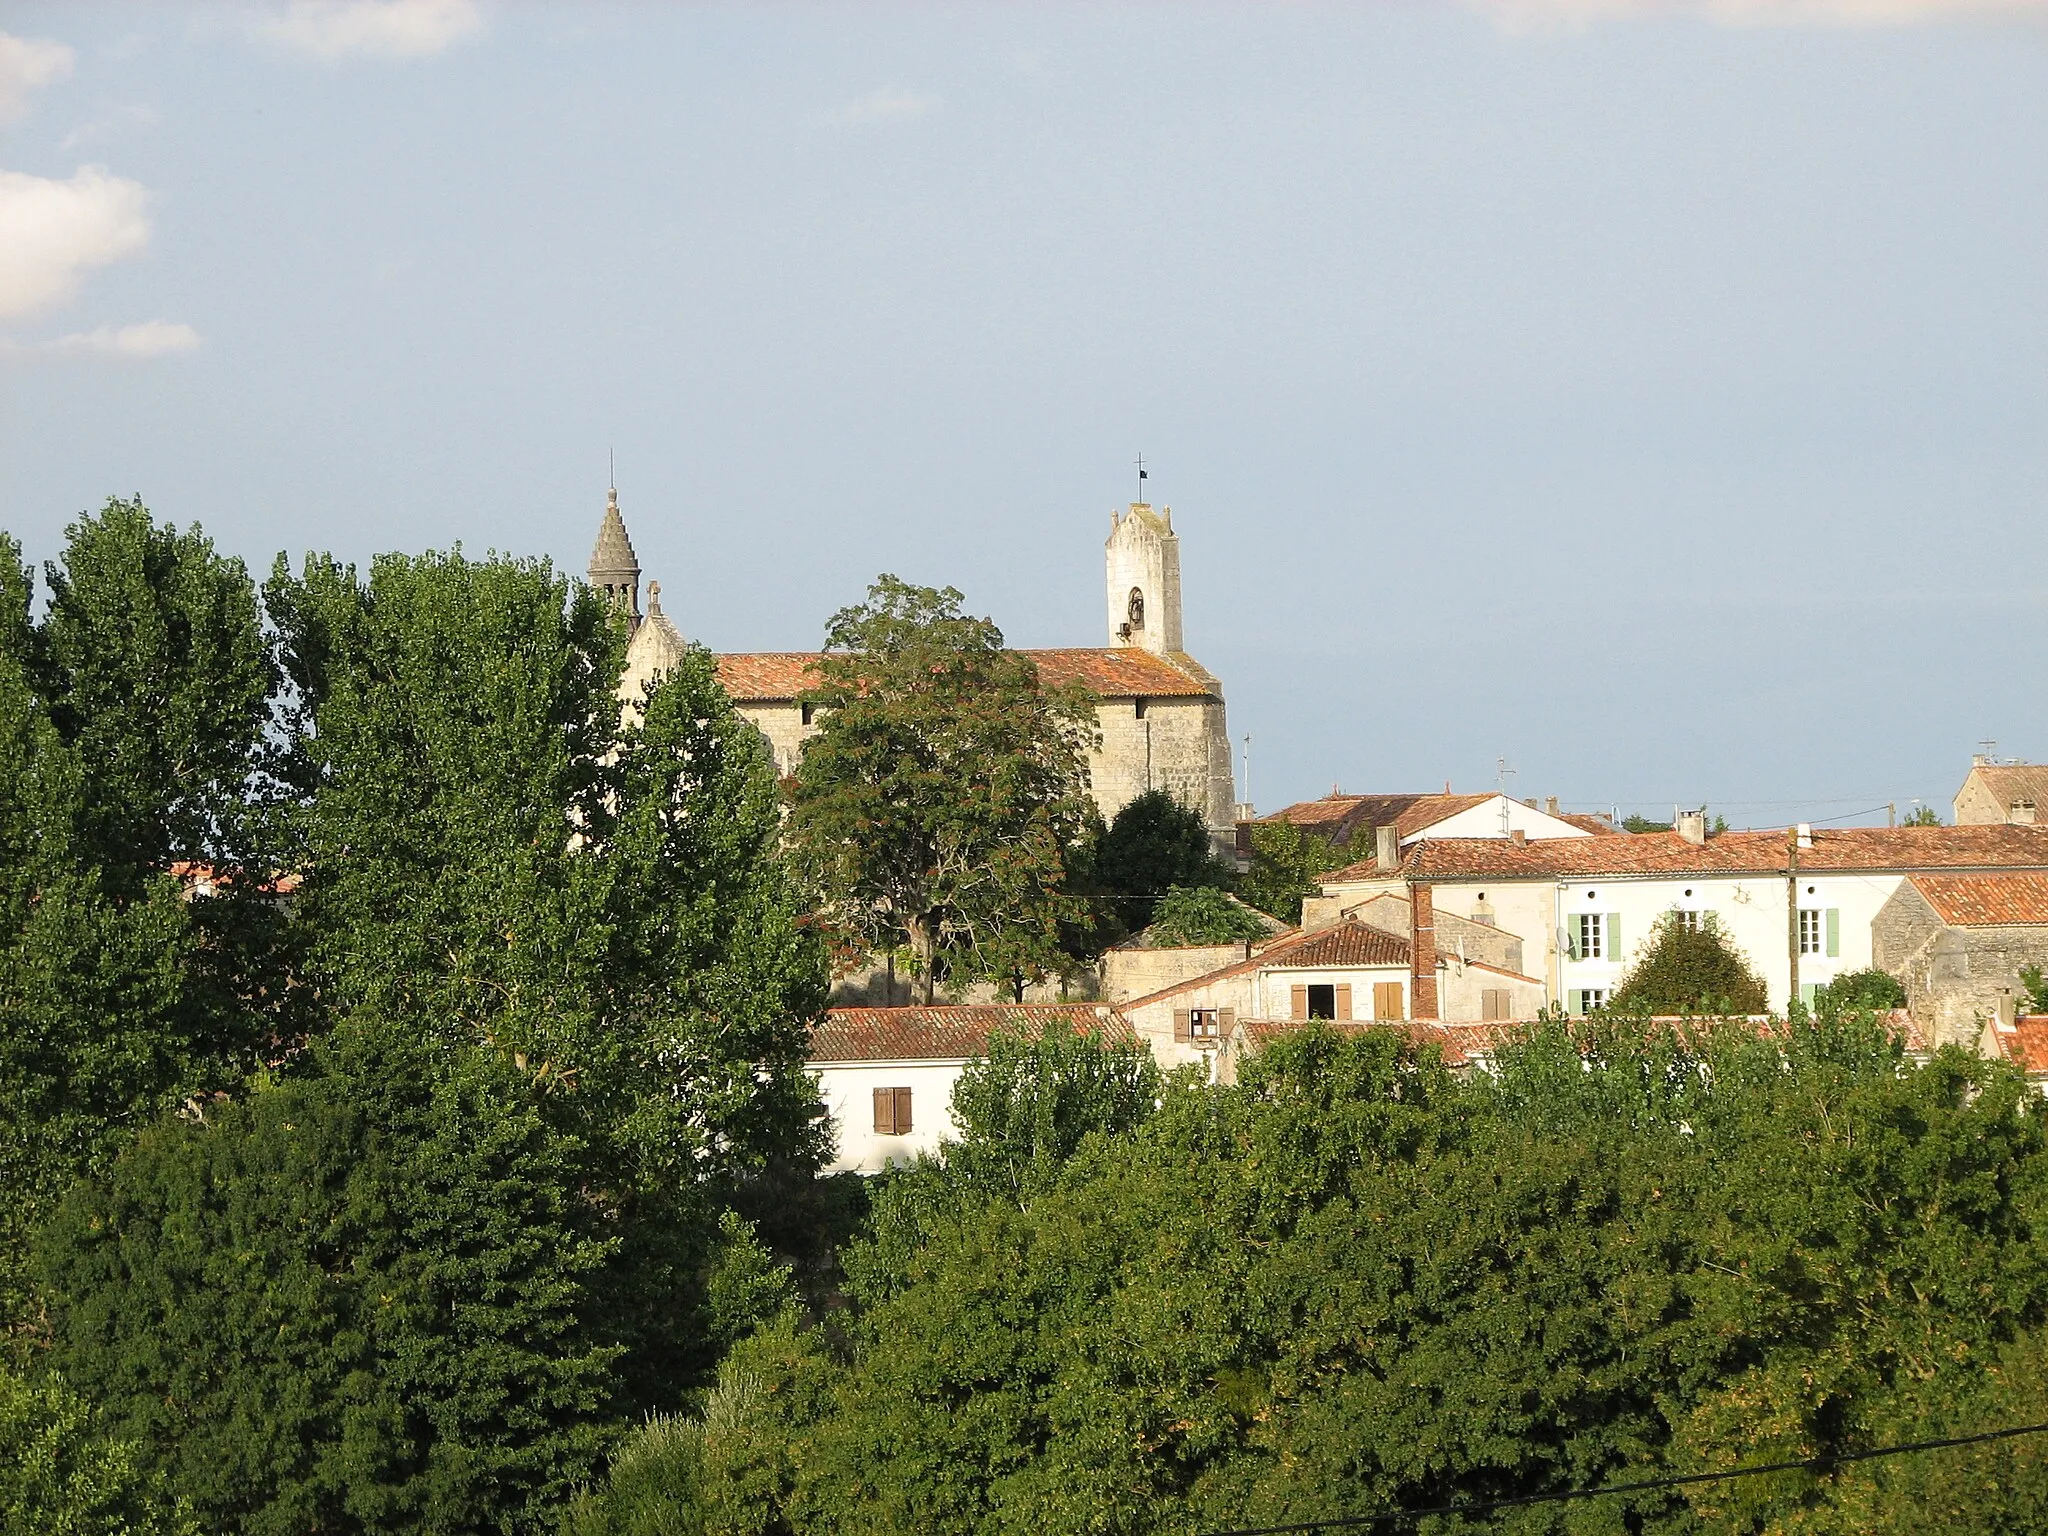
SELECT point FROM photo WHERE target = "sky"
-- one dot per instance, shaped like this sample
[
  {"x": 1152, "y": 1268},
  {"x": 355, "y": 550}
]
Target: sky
[{"x": 1649, "y": 395}]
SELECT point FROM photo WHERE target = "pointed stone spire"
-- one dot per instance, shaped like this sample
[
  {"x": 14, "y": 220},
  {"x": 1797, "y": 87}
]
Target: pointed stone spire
[{"x": 614, "y": 568}]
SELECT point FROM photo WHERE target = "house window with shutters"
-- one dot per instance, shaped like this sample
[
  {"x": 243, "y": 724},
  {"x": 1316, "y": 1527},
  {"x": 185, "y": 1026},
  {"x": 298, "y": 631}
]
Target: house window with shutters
[
  {"x": 1322, "y": 1001},
  {"x": 1496, "y": 1003},
  {"x": 892, "y": 1112},
  {"x": 1820, "y": 930},
  {"x": 1588, "y": 999},
  {"x": 1387, "y": 1002},
  {"x": 1590, "y": 938},
  {"x": 1203, "y": 1026},
  {"x": 1688, "y": 921}
]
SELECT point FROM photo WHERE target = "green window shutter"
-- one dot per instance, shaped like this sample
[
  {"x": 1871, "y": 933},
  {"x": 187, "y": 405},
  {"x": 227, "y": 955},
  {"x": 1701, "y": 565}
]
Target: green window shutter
[
  {"x": 1834, "y": 931},
  {"x": 1571, "y": 938},
  {"x": 1614, "y": 936},
  {"x": 1578, "y": 1000},
  {"x": 1808, "y": 990}
]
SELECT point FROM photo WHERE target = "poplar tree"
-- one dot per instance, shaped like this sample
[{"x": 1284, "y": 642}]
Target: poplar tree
[{"x": 945, "y": 795}]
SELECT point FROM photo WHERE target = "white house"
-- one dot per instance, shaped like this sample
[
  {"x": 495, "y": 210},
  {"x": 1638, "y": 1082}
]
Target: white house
[
  {"x": 1584, "y": 906},
  {"x": 886, "y": 1075}
]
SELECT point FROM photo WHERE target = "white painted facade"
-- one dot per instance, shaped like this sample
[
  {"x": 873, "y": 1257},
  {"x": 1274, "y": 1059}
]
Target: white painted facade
[
  {"x": 847, "y": 1090},
  {"x": 1498, "y": 816}
]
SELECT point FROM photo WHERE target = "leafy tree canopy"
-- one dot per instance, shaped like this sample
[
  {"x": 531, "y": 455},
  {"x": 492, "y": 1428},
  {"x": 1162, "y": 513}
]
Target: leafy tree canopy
[
  {"x": 1870, "y": 988},
  {"x": 944, "y": 797},
  {"x": 59, "y": 1476},
  {"x": 1204, "y": 915},
  {"x": 1689, "y": 968},
  {"x": 1151, "y": 846},
  {"x": 1287, "y": 864}
]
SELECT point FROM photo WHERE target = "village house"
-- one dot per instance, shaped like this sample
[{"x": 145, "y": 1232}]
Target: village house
[
  {"x": 886, "y": 1075},
  {"x": 2001, "y": 792},
  {"x": 1958, "y": 943},
  {"x": 1799, "y": 904},
  {"x": 1145, "y": 963},
  {"x": 1337, "y": 818}
]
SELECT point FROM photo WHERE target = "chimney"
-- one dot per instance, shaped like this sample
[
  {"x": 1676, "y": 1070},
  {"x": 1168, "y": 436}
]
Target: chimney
[
  {"x": 1518, "y": 837},
  {"x": 1550, "y": 804},
  {"x": 1805, "y": 830},
  {"x": 1387, "y": 855},
  {"x": 1421, "y": 953},
  {"x": 1692, "y": 826},
  {"x": 2020, "y": 813}
]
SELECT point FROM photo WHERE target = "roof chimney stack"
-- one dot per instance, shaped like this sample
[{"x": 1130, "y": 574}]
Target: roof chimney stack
[
  {"x": 1550, "y": 805},
  {"x": 1805, "y": 830},
  {"x": 1692, "y": 826},
  {"x": 1387, "y": 853}
]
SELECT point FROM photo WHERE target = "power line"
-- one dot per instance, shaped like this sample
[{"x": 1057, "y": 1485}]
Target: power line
[{"x": 1811, "y": 1464}]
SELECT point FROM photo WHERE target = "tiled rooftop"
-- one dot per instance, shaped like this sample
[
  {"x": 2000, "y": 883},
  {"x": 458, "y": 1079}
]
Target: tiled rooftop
[
  {"x": 953, "y": 1032},
  {"x": 1873, "y": 849},
  {"x": 1318, "y": 947},
  {"x": 1118, "y": 672},
  {"x": 1986, "y": 901},
  {"x": 2025, "y": 1043}
]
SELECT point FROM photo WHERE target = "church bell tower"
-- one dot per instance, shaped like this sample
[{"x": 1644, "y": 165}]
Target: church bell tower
[
  {"x": 614, "y": 568},
  {"x": 1143, "y": 556}
]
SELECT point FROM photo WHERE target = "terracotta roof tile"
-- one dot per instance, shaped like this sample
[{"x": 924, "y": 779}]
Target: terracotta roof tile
[
  {"x": 1881, "y": 849},
  {"x": 2025, "y": 1043},
  {"x": 2008, "y": 782},
  {"x": 1120, "y": 672},
  {"x": 1986, "y": 901},
  {"x": 954, "y": 1032},
  {"x": 1348, "y": 937}
]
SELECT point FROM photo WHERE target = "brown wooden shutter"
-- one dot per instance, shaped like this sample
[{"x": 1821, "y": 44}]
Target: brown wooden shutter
[
  {"x": 902, "y": 1097},
  {"x": 1226, "y": 1022},
  {"x": 885, "y": 1111},
  {"x": 1343, "y": 1008},
  {"x": 1297, "y": 999},
  {"x": 1386, "y": 1000},
  {"x": 1183, "y": 1024}
]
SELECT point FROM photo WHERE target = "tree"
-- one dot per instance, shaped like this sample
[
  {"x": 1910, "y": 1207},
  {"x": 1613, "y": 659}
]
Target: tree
[
  {"x": 943, "y": 799},
  {"x": 1152, "y": 845},
  {"x": 1205, "y": 915},
  {"x": 1921, "y": 816},
  {"x": 1287, "y": 864},
  {"x": 490, "y": 850},
  {"x": 1870, "y": 988},
  {"x": 361, "y": 1300},
  {"x": 58, "y": 1474},
  {"x": 125, "y": 738},
  {"x": 1689, "y": 968},
  {"x": 2036, "y": 999}
]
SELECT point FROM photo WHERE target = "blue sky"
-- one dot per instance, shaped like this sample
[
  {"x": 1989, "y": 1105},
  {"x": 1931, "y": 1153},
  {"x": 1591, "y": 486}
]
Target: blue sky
[{"x": 1652, "y": 394}]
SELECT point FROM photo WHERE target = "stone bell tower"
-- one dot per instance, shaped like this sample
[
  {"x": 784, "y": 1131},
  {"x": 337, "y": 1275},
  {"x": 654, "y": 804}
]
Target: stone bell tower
[
  {"x": 614, "y": 568},
  {"x": 1144, "y": 579}
]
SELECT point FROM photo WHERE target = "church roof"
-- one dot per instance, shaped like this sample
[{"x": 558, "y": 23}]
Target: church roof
[
  {"x": 1116, "y": 672},
  {"x": 614, "y": 552}
]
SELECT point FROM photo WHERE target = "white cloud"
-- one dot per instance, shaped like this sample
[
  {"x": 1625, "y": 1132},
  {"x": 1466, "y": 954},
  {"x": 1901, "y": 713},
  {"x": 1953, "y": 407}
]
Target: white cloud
[
  {"x": 25, "y": 64},
  {"x": 1535, "y": 15},
  {"x": 53, "y": 232},
  {"x": 152, "y": 338},
  {"x": 391, "y": 29},
  {"x": 885, "y": 105}
]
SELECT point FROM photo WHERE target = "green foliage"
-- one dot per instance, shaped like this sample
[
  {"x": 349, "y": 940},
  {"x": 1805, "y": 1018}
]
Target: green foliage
[
  {"x": 1152, "y": 846},
  {"x": 362, "y": 1300},
  {"x": 1921, "y": 816},
  {"x": 944, "y": 797},
  {"x": 1869, "y": 988},
  {"x": 131, "y": 725},
  {"x": 1204, "y": 915},
  {"x": 1639, "y": 823},
  {"x": 1689, "y": 970},
  {"x": 1287, "y": 864},
  {"x": 60, "y": 1477},
  {"x": 2036, "y": 1000}
]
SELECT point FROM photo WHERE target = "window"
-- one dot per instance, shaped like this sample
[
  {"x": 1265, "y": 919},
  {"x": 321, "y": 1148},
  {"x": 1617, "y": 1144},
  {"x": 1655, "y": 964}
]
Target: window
[
  {"x": 892, "y": 1111},
  {"x": 1688, "y": 922},
  {"x": 1589, "y": 999},
  {"x": 1203, "y": 1026},
  {"x": 808, "y": 710},
  {"x": 1590, "y": 936},
  {"x": 1322, "y": 1002},
  {"x": 1496, "y": 1003},
  {"x": 1138, "y": 709},
  {"x": 1134, "y": 610},
  {"x": 1386, "y": 1000},
  {"x": 1809, "y": 931}
]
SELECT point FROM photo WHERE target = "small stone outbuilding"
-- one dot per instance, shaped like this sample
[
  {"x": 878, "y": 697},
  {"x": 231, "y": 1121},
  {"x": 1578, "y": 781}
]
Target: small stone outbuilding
[{"x": 1958, "y": 943}]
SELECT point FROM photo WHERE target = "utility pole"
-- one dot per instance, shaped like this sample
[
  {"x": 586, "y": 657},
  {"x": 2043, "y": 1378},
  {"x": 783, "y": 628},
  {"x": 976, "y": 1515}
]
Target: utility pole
[
  {"x": 1792, "y": 915},
  {"x": 1891, "y": 813}
]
